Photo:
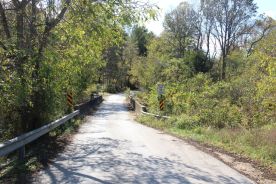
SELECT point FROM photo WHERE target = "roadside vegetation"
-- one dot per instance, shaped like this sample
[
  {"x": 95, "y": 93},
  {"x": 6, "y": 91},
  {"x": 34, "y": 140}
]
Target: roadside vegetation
[
  {"x": 258, "y": 144},
  {"x": 47, "y": 49},
  {"x": 219, "y": 72},
  {"x": 216, "y": 61}
]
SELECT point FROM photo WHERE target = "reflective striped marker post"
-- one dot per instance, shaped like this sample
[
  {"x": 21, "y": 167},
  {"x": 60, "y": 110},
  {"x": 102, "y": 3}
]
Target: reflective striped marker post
[
  {"x": 161, "y": 104},
  {"x": 161, "y": 98},
  {"x": 70, "y": 99}
]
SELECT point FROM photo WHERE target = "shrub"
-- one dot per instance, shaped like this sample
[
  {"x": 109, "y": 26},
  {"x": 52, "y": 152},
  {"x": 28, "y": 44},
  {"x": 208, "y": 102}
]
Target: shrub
[
  {"x": 187, "y": 122},
  {"x": 222, "y": 115}
]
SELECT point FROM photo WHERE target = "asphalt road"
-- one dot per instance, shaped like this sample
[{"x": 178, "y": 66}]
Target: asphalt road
[{"x": 112, "y": 148}]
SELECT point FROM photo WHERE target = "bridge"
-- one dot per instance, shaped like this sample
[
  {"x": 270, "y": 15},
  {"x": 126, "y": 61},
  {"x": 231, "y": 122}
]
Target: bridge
[{"x": 111, "y": 147}]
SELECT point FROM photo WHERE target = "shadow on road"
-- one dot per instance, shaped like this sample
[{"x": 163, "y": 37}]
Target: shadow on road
[
  {"x": 102, "y": 156},
  {"x": 109, "y": 108}
]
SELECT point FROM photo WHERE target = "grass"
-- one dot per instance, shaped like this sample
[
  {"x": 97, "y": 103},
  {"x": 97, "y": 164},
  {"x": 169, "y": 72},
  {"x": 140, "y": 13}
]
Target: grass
[{"x": 257, "y": 144}]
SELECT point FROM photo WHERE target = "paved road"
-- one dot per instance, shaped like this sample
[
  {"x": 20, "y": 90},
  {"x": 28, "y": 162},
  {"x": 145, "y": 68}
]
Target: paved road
[{"x": 112, "y": 148}]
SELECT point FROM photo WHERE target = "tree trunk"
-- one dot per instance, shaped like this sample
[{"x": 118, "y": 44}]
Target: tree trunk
[
  {"x": 19, "y": 66},
  {"x": 223, "y": 67},
  {"x": 20, "y": 28}
]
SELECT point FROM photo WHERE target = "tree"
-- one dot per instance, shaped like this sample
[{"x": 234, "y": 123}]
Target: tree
[
  {"x": 232, "y": 21},
  {"x": 206, "y": 26},
  {"x": 24, "y": 43},
  {"x": 181, "y": 23},
  {"x": 262, "y": 28},
  {"x": 130, "y": 56},
  {"x": 50, "y": 46},
  {"x": 141, "y": 36}
]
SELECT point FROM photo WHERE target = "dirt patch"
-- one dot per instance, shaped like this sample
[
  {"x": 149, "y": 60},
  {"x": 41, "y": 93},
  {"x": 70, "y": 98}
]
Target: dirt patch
[
  {"x": 225, "y": 157},
  {"x": 247, "y": 168}
]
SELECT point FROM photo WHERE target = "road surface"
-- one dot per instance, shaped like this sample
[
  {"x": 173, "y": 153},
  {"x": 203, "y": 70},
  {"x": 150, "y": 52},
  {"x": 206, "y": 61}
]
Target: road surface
[{"x": 112, "y": 148}]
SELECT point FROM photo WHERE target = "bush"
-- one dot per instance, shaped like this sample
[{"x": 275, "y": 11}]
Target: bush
[
  {"x": 187, "y": 122},
  {"x": 222, "y": 115}
]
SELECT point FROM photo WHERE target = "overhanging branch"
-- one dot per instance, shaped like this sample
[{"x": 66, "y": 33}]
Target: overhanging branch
[{"x": 52, "y": 24}]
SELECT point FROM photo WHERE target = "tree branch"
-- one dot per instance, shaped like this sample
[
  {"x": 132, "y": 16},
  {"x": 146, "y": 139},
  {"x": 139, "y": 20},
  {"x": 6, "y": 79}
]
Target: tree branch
[
  {"x": 3, "y": 45},
  {"x": 52, "y": 24},
  {"x": 249, "y": 52},
  {"x": 21, "y": 4},
  {"x": 15, "y": 3},
  {"x": 4, "y": 21}
]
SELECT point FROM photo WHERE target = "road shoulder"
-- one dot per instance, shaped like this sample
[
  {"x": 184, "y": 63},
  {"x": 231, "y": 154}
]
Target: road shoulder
[{"x": 246, "y": 166}]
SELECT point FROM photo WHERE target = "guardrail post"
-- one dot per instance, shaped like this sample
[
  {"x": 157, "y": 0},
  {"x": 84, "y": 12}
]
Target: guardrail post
[
  {"x": 21, "y": 153},
  {"x": 43, "y": 156}
]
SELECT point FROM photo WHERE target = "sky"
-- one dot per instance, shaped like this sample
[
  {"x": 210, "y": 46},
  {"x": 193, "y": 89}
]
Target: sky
[{"x": 265, "y": 6}]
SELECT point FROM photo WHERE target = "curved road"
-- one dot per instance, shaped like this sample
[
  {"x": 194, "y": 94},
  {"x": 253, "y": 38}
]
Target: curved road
[{"x": 112, "y": 148}]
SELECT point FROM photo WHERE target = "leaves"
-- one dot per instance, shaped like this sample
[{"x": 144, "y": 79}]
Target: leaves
[{"x": 54, "y": 48}]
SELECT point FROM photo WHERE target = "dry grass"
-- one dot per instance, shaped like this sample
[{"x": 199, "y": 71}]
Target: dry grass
[{"x": 258, "y": 144}]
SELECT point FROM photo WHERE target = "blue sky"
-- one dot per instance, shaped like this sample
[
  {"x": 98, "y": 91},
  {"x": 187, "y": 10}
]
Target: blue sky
[{"x": 265, "y": 6}]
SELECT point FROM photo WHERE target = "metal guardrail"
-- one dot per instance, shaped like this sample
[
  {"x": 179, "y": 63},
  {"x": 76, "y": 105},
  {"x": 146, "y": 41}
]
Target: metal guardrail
[
  {"x": 141, "y": 109},
  {"x": 20, "y": 141}
]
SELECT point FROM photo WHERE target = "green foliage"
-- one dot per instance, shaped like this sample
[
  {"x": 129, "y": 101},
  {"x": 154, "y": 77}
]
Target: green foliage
[
  {"x": 176, "y": 70},
  {"x": 153, "y": 122},
  {"x": 128, "y": 92},
  {"x": 53, "y": 57},
  {"x": 180, "y": 23},
  {"x": 201, "y": 63},
  {"x": 140, "y": 36},
  {"x": 236, "y": 140},
  {"x": 230, "y": 112},
  {"x": 220, "y": 116},
  {"x": 236, "y": 62},
  {"x": 246, "y": 100},
  {"x": 186, "y": 122}
]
